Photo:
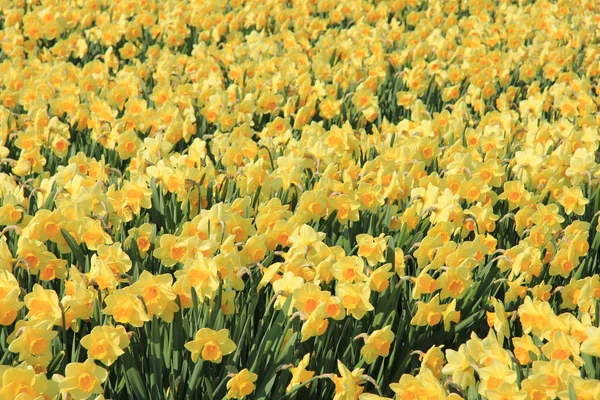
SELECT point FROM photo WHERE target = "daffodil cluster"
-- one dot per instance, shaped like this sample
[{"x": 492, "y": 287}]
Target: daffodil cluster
[{"x": 299, "y": 199}]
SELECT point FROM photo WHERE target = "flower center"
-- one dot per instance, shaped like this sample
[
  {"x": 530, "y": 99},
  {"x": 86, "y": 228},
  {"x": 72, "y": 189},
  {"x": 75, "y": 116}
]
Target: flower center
[
  {"x": 143, "y": 243},
  {"x": 99, "y": 350},
  {"x": 151, "y": 294},
  {"x": 351, "y": 301},
  {"x": 211, "y": 351},
  {"x": 38, "y": 346},
  {"x": 310, "y": 305},
  {"x": 86, "y": 382},
  {"x": 246, "y": 388}
]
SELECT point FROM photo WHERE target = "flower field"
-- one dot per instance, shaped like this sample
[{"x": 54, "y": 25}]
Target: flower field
[{"x": 299, "y": 199}]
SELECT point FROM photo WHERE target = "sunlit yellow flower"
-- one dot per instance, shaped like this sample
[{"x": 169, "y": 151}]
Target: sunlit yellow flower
[
  {"x": 9, "y": 298},
  {"x": 355, "y": 298},
  {"x": 32, "y": 341},
  {"x": 428, "y": 313},
  {"x": 377, "y": 344},
  {"x": 126, "y": 307},
  {"x": 241, "y": 385},
  {"x": 106, "y": 343},
  {"x": 82, "y": 380},
  {"x": 348, "y": 384},
  {"x": 211, "y": 345},
  {"x": 43, "y": 305},
  {"x": 299, "y": 373}
]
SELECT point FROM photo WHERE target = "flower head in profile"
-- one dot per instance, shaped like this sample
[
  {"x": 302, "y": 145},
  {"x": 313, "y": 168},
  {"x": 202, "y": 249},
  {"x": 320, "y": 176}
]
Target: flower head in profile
[
  {"x": 348, "y": 385},
  {"x": 241, "y": 385},
  {"x": 428, "y": 313},
  {"x": 299, "y": 373},
  {"x": 377, "y": 344},
  {"x": 9, "y": 297}
]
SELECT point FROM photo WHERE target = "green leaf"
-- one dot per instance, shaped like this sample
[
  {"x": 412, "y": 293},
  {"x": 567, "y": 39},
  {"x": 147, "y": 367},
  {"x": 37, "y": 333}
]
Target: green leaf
[
  {"x": 287, "y": 351},
  {"x": 231, "y": 369},
  {"x": 155, "y": 349},
  {"x": 133, "y": 378},
  {"x": 178, "y": 338},
  {"x": 264, "y": 391},
  {"x": 75, "y": 249},
  {"x": 193, "y": 382},
  {"x": 50, "y": 200},
  {"x": 390, "y": 256},
  {"x": 55, "y": 363},
  {"x": 572, "y": 394},
  {"x": 589, "y": 366}
]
